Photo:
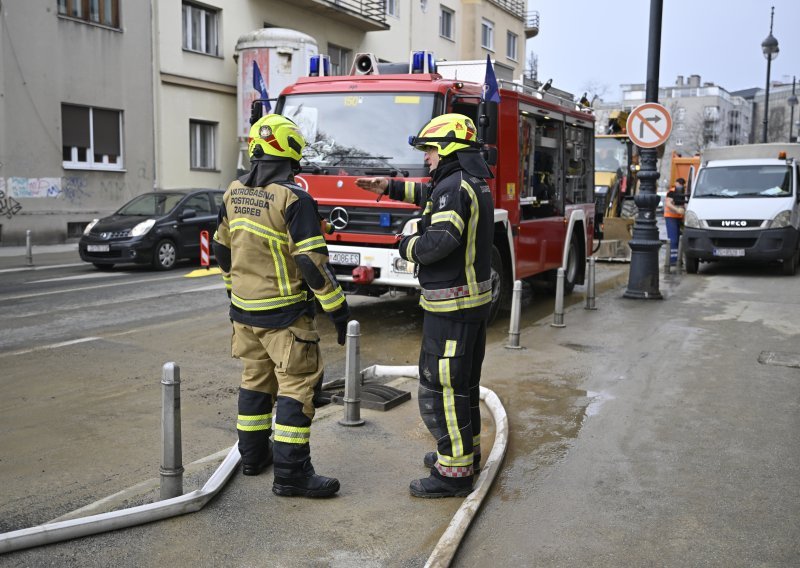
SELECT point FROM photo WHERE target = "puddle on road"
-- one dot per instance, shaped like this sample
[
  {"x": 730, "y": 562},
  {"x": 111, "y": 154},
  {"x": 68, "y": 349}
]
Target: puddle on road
[{"x": 545, "y": 416}]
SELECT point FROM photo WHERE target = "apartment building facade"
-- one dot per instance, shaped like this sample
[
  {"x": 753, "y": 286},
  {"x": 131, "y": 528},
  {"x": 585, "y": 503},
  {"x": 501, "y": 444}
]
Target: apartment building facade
[{"x": 131, "y": 97}]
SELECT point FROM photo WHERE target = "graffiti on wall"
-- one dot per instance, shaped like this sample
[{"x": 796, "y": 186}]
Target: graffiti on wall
[
  {"x": 68, "y": 188},
  {"x": 8, "y": 205}
]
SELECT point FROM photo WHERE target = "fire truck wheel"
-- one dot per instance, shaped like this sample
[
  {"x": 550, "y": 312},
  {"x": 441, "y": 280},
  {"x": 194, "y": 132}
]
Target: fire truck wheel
[
  {"x": 571, "y": 272},
  {"x": 499, "y": 284}
]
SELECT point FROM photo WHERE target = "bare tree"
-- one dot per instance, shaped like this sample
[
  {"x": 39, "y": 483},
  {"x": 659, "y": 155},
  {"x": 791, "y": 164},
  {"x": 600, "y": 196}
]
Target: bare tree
[
  {"x": 595, "y": 90},
  {"x": 778, "y": 127},
  {"x": 532, "y": 67}
]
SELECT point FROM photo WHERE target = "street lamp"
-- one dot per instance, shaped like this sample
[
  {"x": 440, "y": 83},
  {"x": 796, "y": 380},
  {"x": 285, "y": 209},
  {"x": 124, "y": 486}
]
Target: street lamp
[
  {"x": 792, "y": 103},
  {"x": 770, "y": 49}
]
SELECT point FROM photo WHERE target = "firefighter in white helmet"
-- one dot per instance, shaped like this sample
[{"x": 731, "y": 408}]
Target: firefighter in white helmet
[
  {"x": 452, "y": 249},
  {"x": 270, "y": 246}
]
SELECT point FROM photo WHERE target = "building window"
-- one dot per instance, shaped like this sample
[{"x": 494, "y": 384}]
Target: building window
[
  {"x": 340, "y": 59},
  {"x": 91, "y": 138},
  {"x": 103, "y": 12},
  {"x": 487, "y": 35},
  {"x": 393, "y": 8},
  {"x": 446, "y": 18},
  {"x": 202, "y": 144},
  {"x": 200, "y": 29},
  {"x": 511, "y": 46}
]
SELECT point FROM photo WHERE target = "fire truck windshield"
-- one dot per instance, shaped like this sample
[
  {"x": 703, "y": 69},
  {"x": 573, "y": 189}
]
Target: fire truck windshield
[{"x": 360, "y": 133}]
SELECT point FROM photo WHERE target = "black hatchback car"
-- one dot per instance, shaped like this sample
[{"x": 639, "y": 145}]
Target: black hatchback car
[{"x": 154, "y": 228}]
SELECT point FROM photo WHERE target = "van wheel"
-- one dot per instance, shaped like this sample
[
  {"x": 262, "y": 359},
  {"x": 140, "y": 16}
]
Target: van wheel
[
  {"x": 500, "y": 288},
  {"x": 692, "y": 264},
  {"x": 165, "y": 255},
  {"x": 790, "y": 264}
]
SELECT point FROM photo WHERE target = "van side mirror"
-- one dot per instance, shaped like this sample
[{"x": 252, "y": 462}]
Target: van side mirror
[
  {"x": 187, "y": 214},
  {"x": 489, "y": 154}
]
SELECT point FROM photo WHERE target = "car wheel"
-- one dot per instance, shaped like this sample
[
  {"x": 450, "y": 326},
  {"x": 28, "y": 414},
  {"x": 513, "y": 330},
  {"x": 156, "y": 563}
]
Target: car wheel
[
  {"x": 790, "y": 264},
  {"x": 103, "y": 266},
  {"x": 499, "y": 284},
  {"x": 692, "y": 264},
  {"x": 165, "y": 255}
]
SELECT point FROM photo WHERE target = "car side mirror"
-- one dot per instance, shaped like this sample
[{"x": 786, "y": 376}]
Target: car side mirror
[{"x": 187, "y": 214}]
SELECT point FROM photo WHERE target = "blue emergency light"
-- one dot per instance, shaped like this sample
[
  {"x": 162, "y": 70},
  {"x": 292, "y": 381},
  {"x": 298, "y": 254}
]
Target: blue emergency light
[
  {"x": 422, "y": 62},
  {"x": 386, "y": 220},
  {"x": 319, "y": 66}
]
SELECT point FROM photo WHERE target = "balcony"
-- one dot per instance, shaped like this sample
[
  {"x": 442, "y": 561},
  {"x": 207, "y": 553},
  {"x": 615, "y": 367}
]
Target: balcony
[
  {"x": 531, "y": 24},
  {"x": 365, "y": 15},
  {"x": 514, "y": 7}
]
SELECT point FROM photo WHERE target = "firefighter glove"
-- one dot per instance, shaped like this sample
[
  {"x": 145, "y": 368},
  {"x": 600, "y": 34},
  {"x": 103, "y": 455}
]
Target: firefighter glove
[{"x": 340, "y": 317}]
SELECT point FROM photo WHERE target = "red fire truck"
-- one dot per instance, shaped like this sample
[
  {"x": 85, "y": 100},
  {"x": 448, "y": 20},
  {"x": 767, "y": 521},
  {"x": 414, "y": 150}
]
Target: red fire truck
[{"x": 540, "y": 147}]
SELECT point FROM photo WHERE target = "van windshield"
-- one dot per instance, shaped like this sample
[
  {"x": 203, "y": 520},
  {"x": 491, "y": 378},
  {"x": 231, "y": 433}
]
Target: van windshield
[
  {"x": 358, "y": 132},
  {"x": 744, "y": 181}
]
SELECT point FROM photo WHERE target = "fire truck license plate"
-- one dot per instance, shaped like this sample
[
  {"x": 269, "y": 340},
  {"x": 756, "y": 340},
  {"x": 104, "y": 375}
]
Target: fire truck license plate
[
  {"x": 728, "y": 252},
  {"x": 345, "y": 258},
  {"x": 97, "y": 248}
]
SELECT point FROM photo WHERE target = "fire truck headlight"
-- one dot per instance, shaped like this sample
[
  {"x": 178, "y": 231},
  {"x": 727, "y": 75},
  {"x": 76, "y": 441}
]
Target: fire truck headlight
[
  {"x": 692, "y": 220},
  {"x": 782, "y": 219}
]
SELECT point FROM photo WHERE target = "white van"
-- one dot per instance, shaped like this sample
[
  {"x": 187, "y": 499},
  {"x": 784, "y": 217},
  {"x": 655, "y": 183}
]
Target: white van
[{"x": 744, "y": 205}]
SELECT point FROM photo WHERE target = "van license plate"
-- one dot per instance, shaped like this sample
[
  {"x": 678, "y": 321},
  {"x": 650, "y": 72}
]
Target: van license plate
[
  {"x": 97, "y": 248},
  {"x": 345, "y": 258},
  {"x": 728, "y": 252}
]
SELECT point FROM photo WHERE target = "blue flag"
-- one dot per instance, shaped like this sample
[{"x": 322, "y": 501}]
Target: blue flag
[
  {"x": 490, "y": 89},
  {"x": 258, "y": 85}
]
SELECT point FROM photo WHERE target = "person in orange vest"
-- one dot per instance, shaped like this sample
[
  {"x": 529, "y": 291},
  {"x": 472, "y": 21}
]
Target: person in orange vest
[{"x": 674, "y": 210}]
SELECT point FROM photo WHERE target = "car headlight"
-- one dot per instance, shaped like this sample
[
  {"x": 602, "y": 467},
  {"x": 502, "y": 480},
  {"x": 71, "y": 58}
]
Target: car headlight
[
  {"x": 691, "y": 220},
  {"x": 782, "y": 219},
  {"x": 142, "y": 228},
  {"x": 89, "y": 226}
]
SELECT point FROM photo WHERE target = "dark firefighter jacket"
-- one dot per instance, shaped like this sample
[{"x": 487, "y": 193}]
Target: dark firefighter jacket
[
  {"x": 270, "y": 246},
  {"x": 453, "y": 243}
]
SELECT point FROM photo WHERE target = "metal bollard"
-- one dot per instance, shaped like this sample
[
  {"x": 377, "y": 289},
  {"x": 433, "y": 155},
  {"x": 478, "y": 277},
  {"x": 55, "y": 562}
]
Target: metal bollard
[
  {"x": 352, "y": 377},
  {"x": 28, "y": 247},
  {"x": 516, "y": 308},
  {"x": 667, "y": 267},
  {"x": 590, "y": 293},
  {"x": 679, "y": 265},
  {"x": 171, "y": 469},
  {"x": 558, "y": 314}
]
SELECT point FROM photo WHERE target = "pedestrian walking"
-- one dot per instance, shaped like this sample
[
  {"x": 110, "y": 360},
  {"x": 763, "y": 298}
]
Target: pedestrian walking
[
  {"x": 452, "y": 251},
  {"x": 270, "y": 247}
]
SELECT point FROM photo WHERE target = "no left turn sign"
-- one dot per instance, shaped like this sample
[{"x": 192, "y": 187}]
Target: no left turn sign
[{"x": 649, "y": 125}]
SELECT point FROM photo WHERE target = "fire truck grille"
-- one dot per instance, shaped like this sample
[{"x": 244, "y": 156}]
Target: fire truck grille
[{"x": 367, "y": 220}]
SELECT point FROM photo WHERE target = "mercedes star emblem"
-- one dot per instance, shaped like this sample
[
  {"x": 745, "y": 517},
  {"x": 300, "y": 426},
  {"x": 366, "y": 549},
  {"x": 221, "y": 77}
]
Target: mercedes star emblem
[{"x": 339, "y": 218}]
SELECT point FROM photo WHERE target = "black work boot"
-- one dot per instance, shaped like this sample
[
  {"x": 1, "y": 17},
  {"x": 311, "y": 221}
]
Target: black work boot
[
  {"x": 433, "y": 487},
  {"x": 308, "y": 486},
  {"x": 257, "y": 468}
]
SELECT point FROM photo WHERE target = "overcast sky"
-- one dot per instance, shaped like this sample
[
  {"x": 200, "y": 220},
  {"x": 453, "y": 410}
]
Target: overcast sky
[{"x": 603, "y": 43}]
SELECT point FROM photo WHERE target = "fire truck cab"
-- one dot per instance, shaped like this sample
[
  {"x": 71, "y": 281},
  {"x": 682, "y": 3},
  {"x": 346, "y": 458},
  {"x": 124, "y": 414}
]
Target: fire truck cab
[{"x": 540, "y": 148}]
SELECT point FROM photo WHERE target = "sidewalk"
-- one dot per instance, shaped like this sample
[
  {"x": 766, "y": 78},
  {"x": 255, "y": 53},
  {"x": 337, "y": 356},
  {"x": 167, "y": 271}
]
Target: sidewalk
[
  {"x": 12, "y": 258},
  {"x": 677, "y": 447}
]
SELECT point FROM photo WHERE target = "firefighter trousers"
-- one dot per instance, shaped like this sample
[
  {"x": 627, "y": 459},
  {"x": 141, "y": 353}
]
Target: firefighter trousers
[
  {"x": 281, "y": 368},
  {"x": 449, "y": 391}
]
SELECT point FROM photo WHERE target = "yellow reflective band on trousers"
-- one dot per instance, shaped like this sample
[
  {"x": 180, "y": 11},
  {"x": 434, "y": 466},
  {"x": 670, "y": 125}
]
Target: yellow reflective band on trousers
[
  {"x": 449, "y": 217},
  {"x": 267, "y": 303},
  {"x": 454, "y": 304},
  {"x": 461, "y": 461},
  {"x": 449, "y": 401},
  {"x": 310, "y": 244},
  {"x": 332, "y": 300},
  {"x": 408, "y": 192},
  {"x": 292, "y": 434},
  {"x": 472, "y": 231},
  {"x": 254, "y": 422}
]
